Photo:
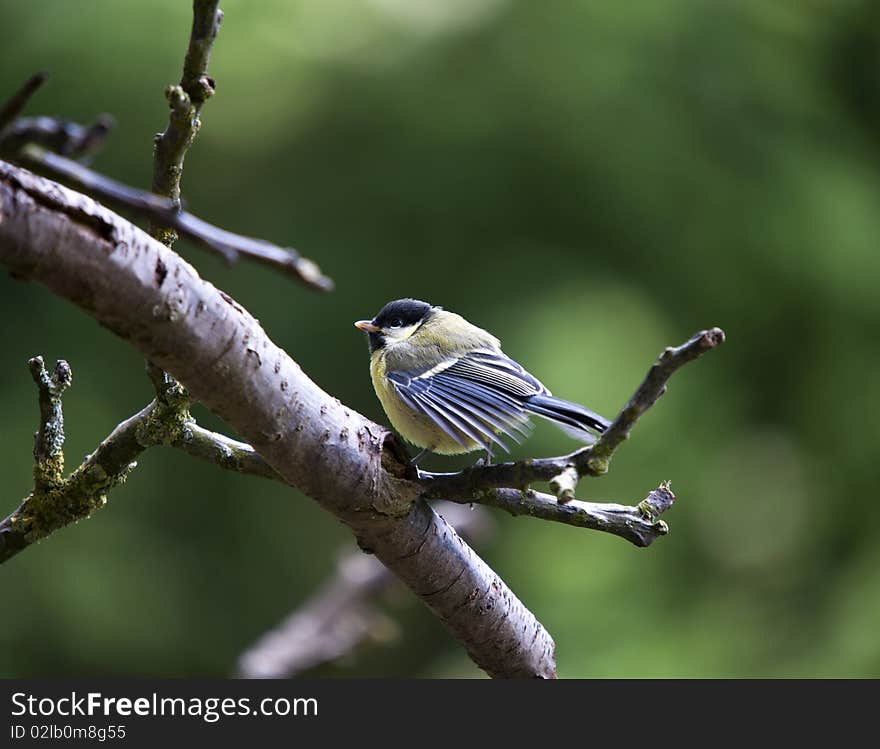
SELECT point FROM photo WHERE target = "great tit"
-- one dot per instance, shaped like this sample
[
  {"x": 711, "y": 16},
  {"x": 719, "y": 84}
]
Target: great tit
[{"x": 448, "y": 388}]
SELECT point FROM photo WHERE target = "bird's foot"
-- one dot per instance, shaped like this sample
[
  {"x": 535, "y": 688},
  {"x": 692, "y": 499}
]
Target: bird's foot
[{"x": 486, "y": 461}]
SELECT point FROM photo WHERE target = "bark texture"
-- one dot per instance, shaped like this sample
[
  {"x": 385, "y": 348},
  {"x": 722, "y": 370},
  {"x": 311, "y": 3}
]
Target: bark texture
[{"x": 148, "y": 295}]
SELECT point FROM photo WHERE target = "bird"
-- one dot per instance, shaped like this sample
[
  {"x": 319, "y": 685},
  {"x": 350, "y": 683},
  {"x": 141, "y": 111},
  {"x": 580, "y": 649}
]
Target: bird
[{"x": 448, "y": 388}]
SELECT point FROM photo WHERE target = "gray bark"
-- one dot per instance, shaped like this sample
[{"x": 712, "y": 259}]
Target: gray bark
[{"x": 151, "y": 297}]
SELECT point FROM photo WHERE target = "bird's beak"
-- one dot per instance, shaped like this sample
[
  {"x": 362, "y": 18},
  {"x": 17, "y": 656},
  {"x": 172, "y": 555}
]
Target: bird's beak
[{"x": 368, "y": 326}]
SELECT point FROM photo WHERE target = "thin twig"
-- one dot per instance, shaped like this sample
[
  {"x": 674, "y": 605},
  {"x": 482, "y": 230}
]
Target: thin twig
[
  {"x": 185, "y": 101},
  {"x": 564, "y": 484},
  {"x": 592, "y": 460},
  {"x": 224, "y": 452},
  {"x": 15, "y": 104},
  {"x": 197, "y": 441},
  {"x": 49, "y": 438},
  {"x": 60, "y": 136},
  {"x": 161, "y": 211},
  {"x": 57, "y": 501},
  {"x": 42, "y": 143},
  {"x": 639, "y": 524},
  {"x": 195, "y": 80},
  {"x": 653, "y": 386}
]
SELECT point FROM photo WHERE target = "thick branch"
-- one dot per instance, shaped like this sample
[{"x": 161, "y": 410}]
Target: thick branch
[
  {"x": 148, "y": 295},
  {"x": 592, "y": 460}
]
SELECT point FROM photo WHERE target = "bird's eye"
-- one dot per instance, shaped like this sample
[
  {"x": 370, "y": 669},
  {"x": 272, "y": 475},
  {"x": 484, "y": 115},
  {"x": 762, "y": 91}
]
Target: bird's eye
[{"x": 396, "y": 322}]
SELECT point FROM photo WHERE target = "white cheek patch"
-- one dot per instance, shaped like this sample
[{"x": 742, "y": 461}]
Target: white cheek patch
[{"x": 393, "y": 337}]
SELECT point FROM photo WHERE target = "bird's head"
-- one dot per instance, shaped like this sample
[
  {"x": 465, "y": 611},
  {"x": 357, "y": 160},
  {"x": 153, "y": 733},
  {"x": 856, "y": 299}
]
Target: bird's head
[{"x": 396, "y": 322}]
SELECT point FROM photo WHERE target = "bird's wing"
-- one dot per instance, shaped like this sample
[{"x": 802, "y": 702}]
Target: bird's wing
[
  {"x": 479, "y": 395},
  {"x": 495, "y": 370}
]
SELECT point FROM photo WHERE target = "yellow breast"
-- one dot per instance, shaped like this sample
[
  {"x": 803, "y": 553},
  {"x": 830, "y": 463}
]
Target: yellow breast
[{"x": 414, "y": 427}]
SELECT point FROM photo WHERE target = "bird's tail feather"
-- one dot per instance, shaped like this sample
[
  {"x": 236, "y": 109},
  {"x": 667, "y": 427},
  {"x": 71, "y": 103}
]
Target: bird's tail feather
[{"x": 573, "y": 419}]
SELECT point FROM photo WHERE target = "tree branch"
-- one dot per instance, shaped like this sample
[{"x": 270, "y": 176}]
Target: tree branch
[
  {"x": 57, "y": 502},
  {"x": 185, "y": 101},
  {"x": 49, "y": 439},
  {"x": 339, "y": 618},
  {"x": 224, "y": 452},
  {"x": 167, "y": 219},
  {"x": 49, "y": 145},
  {"x": 160, "y": 210},
  {"x": 15, "y": 104},
  {"x": 342, "y": 616},
  {"x": 197, "y": 441},
  {"x": 61, "y": 136},
  {"x": 84, "y": 253},
  {"x": 647, "y": 394},
  {"x": 639, "y": 525},
  {"x": 351, "y": 466}
]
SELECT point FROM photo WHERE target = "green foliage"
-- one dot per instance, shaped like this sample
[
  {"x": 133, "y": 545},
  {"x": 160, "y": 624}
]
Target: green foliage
[{"x": 592, "y": 181}]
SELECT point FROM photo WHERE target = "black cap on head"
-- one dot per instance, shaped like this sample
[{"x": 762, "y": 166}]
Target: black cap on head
[{"x": 401, "y": 313}]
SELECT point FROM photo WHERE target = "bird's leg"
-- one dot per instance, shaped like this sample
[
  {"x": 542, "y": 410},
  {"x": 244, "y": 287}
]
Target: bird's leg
[
  {"x": 415, "y": 461},
  {"x": 485, "y": 461}
]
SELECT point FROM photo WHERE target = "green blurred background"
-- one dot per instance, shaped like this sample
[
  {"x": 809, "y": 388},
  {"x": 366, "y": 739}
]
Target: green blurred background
[{"x": 590, "y": 180}]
